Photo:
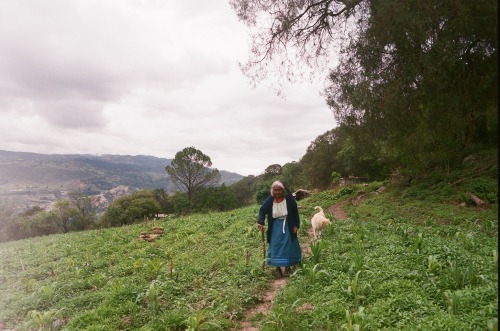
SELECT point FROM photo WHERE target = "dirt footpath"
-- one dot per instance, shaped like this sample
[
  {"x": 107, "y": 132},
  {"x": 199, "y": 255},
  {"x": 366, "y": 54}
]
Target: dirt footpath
[
  {"x": 337, "y": 211},
  {"x": 267, "y": 300}
]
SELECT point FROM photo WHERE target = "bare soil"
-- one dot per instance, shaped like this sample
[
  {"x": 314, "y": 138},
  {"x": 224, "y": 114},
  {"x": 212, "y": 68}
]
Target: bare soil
[{"x": 337, "y": 211}]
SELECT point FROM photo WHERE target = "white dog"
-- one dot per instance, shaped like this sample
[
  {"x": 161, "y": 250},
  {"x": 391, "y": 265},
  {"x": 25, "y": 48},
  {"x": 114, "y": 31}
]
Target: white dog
[{"x": 319, "y": 222}]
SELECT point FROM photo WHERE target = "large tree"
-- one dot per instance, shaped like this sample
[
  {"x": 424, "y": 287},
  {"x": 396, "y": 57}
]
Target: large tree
[
  {"x": 85, "y": 209},
  {"x": 190, "y": 170},
  {"x": 64, "y": 213},
  {"x": 420, "y": 77},
  {"x": 293, "y": 35}
]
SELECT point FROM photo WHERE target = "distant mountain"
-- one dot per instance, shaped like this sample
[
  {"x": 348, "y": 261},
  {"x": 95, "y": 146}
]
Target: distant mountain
[{"x": 32, "y": 179}]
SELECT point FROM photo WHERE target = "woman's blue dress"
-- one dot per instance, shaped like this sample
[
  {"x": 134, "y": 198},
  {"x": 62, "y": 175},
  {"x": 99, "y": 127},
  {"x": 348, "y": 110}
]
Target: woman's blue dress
[{"x": 283, "y": 250}]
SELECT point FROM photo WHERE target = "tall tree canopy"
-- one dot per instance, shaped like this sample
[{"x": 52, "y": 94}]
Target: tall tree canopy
[
  {"x": 190, "y": 170},
  {"x": 418, "y": 76},
  {"x": 344, "y": 152}
]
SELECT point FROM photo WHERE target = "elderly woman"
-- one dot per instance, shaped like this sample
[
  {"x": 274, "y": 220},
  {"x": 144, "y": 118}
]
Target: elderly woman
[{"x": 283, "y": 223}]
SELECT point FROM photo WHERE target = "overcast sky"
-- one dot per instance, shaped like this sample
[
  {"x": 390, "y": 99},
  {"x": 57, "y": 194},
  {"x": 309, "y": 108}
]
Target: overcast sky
[{"x": 138, "y": 77}]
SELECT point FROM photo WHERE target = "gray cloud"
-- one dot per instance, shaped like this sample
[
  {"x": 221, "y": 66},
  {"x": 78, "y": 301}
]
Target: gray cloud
[
  {"x": 83, "y": 77},
  {"x": 86, "y": 114}
]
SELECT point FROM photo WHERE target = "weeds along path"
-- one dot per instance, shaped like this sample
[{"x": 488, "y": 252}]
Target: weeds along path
[
  {"x": 267, "y": 300},
  {"x": 264, "y": 307}
]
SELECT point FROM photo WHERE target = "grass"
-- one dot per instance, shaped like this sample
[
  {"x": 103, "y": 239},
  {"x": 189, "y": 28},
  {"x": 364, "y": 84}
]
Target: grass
[
  {"x": 400, "y": 264},
  {"x": 395, "y": 264},
  {"x": 108, "y": 279}
]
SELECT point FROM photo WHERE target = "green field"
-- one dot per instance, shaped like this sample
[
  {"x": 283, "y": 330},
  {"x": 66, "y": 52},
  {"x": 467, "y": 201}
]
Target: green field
[{"x": 397, "y": 263}]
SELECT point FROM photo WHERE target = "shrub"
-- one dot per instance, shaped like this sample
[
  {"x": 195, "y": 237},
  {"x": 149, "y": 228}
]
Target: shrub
[{"x": 484, "y": 188}]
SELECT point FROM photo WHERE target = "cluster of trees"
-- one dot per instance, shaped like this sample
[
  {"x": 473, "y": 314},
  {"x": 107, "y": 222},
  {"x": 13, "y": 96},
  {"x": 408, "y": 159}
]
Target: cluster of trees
[
  {"x": 76, "y": 213},
  {"x": 329, "y": 157},
  {"x": 82, "y": 214},
  {"x": 415, "y": 86},
  {"x": 190, "y": 170},
  {"x": 340, "y": 153}
]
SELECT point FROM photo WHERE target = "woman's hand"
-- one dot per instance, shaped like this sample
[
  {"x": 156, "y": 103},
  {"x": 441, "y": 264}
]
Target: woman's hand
[
  {"x": 295, "y": 229},
  {"x": 260, "y": 226}
]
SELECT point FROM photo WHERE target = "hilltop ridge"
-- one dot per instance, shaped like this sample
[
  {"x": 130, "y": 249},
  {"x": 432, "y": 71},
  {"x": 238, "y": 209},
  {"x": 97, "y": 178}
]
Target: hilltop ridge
[{"x": 33, "y": 179}]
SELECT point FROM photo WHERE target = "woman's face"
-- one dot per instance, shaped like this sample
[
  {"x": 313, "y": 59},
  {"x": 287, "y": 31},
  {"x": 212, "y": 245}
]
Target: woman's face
[{"x": 277, "y": 192}]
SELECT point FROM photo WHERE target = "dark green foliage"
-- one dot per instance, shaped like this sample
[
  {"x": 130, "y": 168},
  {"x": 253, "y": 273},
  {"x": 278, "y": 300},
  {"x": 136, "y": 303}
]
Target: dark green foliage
[
  {"x": 220, "y": 198},
  {"x": 343, "y": 151},
  {"x": 253, "y": 189},
  {"x": 244, "y": 190},
  {"x": 320, "y": 159},
  {"x": 439, "y": 187},
  {"x": 263, "y": 190},
  {"x": 180, "y": 203},
  {"x": 163, "y": 200},
  {"x": 130, "y": 209},
  {"x": 427, "y": 92},
  {"x": 416, "y": 84},
  {"x": 293, "y": 175},
  {"x": 485, "y": 188}
]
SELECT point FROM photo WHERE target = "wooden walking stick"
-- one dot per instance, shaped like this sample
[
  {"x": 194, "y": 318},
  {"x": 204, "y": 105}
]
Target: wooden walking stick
[{"x": 263, "y": 249}]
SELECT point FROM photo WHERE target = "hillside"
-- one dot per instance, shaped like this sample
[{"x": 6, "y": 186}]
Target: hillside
[
  {"x": 395, "y": 263},
  {"x": 32, "y": 179}
]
